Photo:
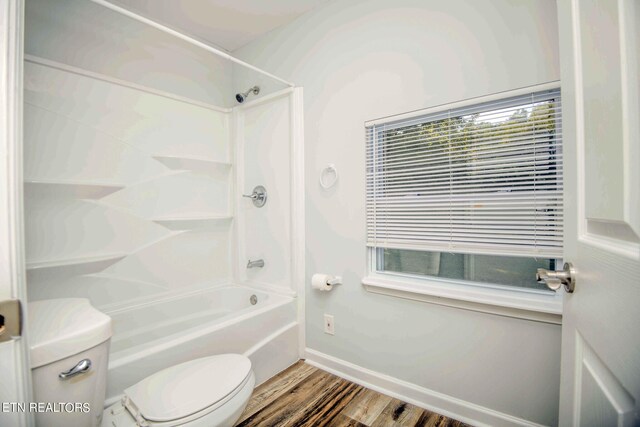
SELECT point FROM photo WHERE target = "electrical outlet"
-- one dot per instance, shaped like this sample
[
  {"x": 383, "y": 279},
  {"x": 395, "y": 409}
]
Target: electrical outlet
[{"x": 328, "y": 324}]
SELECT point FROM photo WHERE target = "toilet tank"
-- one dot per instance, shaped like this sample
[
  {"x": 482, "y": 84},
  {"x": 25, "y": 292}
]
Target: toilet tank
[{"x": 65, "y": 334}]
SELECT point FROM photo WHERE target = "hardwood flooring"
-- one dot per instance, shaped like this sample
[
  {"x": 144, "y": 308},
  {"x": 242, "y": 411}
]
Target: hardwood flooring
[{"x": 306, "y": 396}]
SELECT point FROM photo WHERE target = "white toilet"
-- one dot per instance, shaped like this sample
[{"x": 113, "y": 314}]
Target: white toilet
[
  {"x": 63, "y": 333},
  {"x": 207, "y": 392},
  {"x": 69, "y": 360}
]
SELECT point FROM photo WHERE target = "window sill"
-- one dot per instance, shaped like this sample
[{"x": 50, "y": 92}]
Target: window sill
[{"x": 518, "y": 304}]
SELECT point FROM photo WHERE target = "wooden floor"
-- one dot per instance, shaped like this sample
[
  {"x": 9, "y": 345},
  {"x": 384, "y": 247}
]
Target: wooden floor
[{"x": 306, "y": 396}]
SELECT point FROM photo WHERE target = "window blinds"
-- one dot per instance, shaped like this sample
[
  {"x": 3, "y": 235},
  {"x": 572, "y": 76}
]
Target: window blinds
[{"x": 484, "y": 179}]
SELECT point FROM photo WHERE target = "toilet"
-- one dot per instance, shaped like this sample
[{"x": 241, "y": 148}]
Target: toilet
[
  {"x": 69, "y": 350},
  {"x": 207, "y": 392}
]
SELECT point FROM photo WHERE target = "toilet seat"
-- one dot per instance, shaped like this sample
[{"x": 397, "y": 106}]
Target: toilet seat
[{"x": 187, "y": 392}]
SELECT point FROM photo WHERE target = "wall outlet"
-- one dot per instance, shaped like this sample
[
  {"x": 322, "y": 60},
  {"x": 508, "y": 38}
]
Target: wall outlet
[{"x": 328, "y": 325}]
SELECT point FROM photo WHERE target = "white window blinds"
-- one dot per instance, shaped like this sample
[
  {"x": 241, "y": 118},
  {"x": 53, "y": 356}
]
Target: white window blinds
[{"x": 484, "y": 179}]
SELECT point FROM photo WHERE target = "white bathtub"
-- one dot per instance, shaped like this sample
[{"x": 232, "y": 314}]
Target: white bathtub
[{"x": 221, "y": 320}]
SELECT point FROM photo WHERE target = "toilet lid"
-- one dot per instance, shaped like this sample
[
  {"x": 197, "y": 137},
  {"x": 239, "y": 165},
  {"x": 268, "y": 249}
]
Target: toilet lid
[{"x": 190, "y": 387}]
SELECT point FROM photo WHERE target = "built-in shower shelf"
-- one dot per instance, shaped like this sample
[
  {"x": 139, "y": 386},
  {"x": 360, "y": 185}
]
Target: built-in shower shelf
[
  {"x": 187, "y": 222},
  {"x": 75, "y": 266},
  {"x": 76, "y": 189},
  {"x": 194, "y": 164}
]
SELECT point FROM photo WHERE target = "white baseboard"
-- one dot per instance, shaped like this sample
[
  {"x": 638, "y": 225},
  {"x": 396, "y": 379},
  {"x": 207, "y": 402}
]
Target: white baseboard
[{"x": 428, "y": 399}]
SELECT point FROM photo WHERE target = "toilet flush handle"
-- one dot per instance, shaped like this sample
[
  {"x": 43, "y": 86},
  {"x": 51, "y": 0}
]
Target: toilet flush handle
[{"x": 81, "y": 367}]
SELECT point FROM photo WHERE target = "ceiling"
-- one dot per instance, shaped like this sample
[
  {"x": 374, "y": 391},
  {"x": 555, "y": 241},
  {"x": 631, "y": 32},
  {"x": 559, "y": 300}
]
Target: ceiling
[{"x": 228, "y": 24}]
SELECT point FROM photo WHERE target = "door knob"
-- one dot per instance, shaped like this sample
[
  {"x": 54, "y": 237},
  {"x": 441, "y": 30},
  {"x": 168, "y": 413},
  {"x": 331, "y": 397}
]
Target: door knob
[
  {"x": 10, "y": 319},
  {"x": 555, "y": 279}
]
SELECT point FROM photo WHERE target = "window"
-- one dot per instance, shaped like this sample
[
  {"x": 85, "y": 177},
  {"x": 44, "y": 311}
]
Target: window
[{"x": 471, "y": 193}]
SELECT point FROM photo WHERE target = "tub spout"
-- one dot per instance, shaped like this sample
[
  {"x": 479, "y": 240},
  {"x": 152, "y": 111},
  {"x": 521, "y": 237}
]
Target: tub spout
[{"x": 256, "y": 263}]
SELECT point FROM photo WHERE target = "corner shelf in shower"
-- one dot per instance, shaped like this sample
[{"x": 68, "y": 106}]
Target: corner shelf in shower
[
  {"x": 78, "y": 265},
  {"x": 189, "y": 222},
  {"x": 76, "y": 189},
  {"x": 193, "y": 164}
]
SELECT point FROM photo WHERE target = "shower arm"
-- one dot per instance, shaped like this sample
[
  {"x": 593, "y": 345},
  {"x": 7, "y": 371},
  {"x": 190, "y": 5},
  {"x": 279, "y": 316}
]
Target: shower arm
[{"x": 255, "y": 90}]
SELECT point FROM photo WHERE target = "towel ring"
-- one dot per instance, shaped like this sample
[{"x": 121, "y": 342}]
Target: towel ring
[{"x": 329, "y": 176}]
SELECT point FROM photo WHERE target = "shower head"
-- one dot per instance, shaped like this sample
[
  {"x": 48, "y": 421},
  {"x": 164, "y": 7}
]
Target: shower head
[{"x": 240, "y": 97}]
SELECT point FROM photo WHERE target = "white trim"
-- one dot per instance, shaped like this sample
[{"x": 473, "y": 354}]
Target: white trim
[
  {"x": 411, "y": 393},
  {"x": 578, "y": 105},
  {"x": 296, "y": 107},
  {"x": 465, "y": 103},
  {"x": 102, "y": 77},
  {"x": 237, "y": 186},
  {"x": 518, "y": 304},
  {"x": 11, "y": 227},
  {"x": 238, "y": 146},
  {"x": 630, "y": 58},
  {"x": 191, "y": 40},
  {"x": 17, "y": 384}
]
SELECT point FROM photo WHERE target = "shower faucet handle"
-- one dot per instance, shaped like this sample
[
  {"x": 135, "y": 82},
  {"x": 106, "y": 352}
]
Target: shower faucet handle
[
  {"x": 257, "y": 263},
  {"x": 259, "y": 196}
]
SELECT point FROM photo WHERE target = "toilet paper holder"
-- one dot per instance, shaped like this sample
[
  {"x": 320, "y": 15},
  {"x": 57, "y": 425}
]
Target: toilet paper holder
[
  {"x": 337, "y": 280},
  {"x": 325, "y": 282}
]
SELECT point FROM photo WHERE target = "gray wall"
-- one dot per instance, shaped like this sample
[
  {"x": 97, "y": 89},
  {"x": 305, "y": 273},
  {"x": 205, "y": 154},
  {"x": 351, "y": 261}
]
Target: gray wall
[{"x": 359, "y": 60}]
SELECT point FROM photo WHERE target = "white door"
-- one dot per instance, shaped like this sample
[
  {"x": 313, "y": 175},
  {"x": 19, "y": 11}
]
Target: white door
[
  {"x": 599, "y": 48},
  {"x": 14, "y": 368}
]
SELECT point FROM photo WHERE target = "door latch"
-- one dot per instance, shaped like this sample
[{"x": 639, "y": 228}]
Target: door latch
[
  {"x": 10, "y": 319},
  {"x": 555, "y": 279}
]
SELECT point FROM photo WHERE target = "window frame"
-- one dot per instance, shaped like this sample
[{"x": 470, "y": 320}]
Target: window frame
[
  {"x": 377, "y": 260},
  {"x": 512, "y": 301},
  {"x": 524, "y": 303}
]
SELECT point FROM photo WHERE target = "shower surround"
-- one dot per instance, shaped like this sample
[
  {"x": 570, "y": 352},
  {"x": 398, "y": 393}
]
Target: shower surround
[{"x": 133, "y": 193}]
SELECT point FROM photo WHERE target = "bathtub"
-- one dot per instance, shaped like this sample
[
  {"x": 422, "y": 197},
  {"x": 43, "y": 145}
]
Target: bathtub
[{"x": 154, "y": 336}]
